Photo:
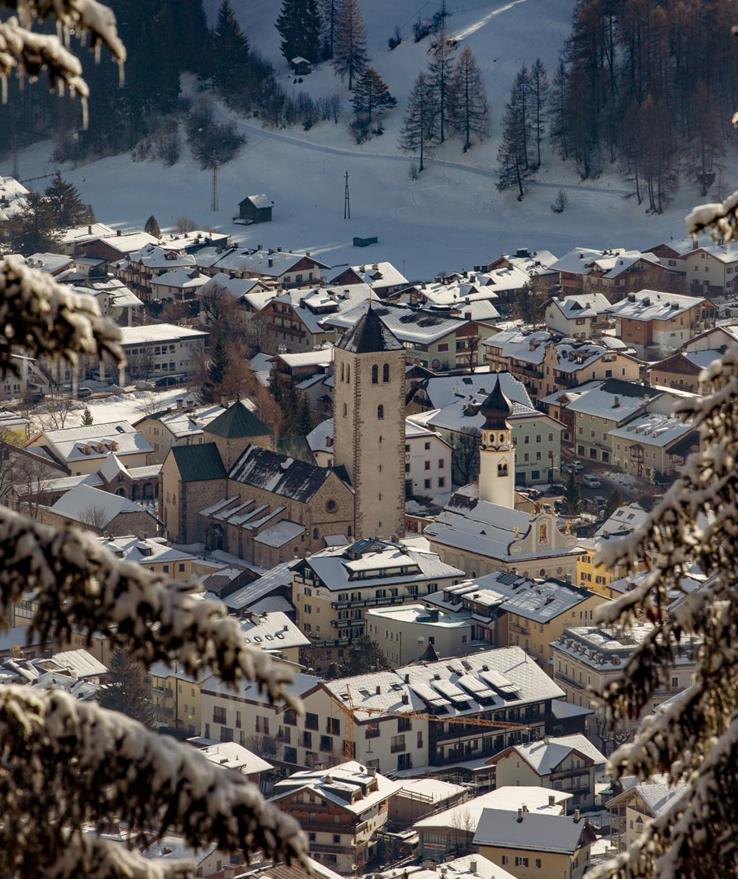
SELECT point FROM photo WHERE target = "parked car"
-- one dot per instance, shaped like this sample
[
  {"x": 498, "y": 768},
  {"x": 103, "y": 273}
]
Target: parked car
[
  {"x": 590, "y": 481},
  {"x": 576, "y": 466},
  {"x": 556, "y": 488},
  {"x": 84, "y": 393}
]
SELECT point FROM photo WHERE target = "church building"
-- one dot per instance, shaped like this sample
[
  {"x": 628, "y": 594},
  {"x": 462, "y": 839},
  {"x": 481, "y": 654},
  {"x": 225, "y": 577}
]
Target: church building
[{"x": 481, "y": 532}]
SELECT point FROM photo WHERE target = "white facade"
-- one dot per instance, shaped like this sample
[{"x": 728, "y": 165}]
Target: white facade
[
  {"x": 404, "y": 633},
  {"x": 160, "y": 349},
  {"x": 427, "y": 461},
  {"x": 497, "y": 468}
]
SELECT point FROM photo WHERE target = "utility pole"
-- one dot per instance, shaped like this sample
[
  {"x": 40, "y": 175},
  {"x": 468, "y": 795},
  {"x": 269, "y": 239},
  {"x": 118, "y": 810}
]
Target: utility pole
[
  {"x": 346, "y": 198},
  {"x": 214, "y": 198}
]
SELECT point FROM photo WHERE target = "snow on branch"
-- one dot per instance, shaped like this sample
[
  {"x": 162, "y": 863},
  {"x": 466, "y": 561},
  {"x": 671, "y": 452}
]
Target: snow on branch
[
  {"x": 78, "y": 585},
  {"x": 76, "y": 767},
  {"x": 693, "y": 738},
  {"x": 107, "y": 859},
  {"x": 27, "y": 53},
  {"x": 45, "y": 318}
]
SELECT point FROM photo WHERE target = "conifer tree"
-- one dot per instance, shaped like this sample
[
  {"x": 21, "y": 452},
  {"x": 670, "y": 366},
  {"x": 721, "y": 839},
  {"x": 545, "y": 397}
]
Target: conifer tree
[
  {"x": 329, "y": 13},
  {"x": 420, "y": 127},
  {"x": 539, "y": 89},
  {"x": 126, "y": 690},
  {"x": 371, "y": 95},
  {"x": 34, "y": 229},
  {"x": 558, "y": 131},
  {"x": 512, "y": 155},
  {"x": 441, "y": 80},
  {"x": 471, "y": 111},
  {"x": 299, "y": 27},
  {"x": 218, "y": 364},
  {"x": 230, "y": 49},
  {"x": 152, "y": 227},
  {"x": 349, "y": 48},
  {"x": 65, "y": 206}
]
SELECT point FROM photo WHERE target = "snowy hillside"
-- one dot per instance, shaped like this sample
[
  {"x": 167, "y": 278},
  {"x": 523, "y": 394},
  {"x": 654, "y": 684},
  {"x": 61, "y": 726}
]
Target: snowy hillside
[{"x": 452, "y": 217}]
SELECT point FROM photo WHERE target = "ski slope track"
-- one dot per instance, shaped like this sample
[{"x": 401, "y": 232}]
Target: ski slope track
[{"x": 451, "y": 217}]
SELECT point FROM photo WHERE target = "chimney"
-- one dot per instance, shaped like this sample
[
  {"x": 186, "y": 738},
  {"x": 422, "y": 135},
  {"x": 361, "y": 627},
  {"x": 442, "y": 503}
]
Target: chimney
[
  {"x": 551, "y": 800},
  {"x": 616, "y": 403},
  {"x": 190, "y": 405},
  {"x": 89, "y": 230},
  {"x": 577, "y": 816},
  {"x": 472, "y": 866},
  {"x": 270, "y": 263},
  {"x": 378, "y": 690},
  {"x": 118, "y": 232},
  {"x": 407, "y": 678},
  {"x": 520, "y": 815},
  {"x": 405, "y": 699}
]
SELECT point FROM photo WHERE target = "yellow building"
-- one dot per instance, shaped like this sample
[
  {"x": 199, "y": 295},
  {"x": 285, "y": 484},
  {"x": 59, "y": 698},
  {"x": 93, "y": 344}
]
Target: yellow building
[
  {"x": 590, "y": 575},
  {"x": 533, "y": 845},
  {"x": 13, "y": 428},
  {"x": 176, "y": 698}
]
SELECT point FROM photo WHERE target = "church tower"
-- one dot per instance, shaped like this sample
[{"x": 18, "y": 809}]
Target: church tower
[
  {"x": 497, "y": 452},
  {"x": 369, "y": 424}
]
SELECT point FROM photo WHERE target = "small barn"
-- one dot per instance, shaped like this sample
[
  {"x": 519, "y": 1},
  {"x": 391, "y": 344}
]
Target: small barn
[
  {"x": 301, "y": 66},
  {"x": 255, "y": 209}
]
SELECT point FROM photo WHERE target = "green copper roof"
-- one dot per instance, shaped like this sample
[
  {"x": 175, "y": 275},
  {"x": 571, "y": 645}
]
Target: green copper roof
[{"x": 237, "y": 421}]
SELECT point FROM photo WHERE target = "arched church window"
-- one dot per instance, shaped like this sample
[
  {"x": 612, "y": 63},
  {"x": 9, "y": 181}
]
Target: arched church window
[
  {"x": 343, "y": 372},
  {"x": 385, "y": 373},
  {"x": 502, "y": 469},
  {"x": 348, "y": 372},
  {"x": 345, "y": 410},
  {"x": 375, "y": 374},
  {"x": 502, "y": 437},
  {"x": 380, "y": 412}
]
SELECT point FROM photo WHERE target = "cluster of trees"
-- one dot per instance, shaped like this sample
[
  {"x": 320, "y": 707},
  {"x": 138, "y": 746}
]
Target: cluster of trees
[
  {"x": 36, "y": 228},
  {"x": 523, "y": 129},
  {"x": 297, "y": 418},
  {"x": 448, "y": 99},
  {"x": 649, "y": 86},
  {"x": 323, "y": 31}
]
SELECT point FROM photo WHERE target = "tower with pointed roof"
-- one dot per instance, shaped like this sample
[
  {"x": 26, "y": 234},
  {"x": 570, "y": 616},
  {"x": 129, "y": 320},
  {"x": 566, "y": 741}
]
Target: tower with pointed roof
[
  {"x": 497, "y": 452},
  {"x": 234, "y": 430},
  {"x": 369, "y": 424}
]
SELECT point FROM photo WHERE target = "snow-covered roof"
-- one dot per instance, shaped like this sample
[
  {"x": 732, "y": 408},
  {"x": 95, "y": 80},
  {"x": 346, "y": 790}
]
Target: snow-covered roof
[
  {"x": 270, "y": 264},
  {"x": 379, "y": 275},
  {"x": 144, "y": 550},
  {"x": 604, "y": 648},
  {"x": 262, "y": 200},
  {"x": 367, "y": 562},
  {"x": 349, "y": 785},
  {"x": 478, "y": 683},
  {"x": 581, "y": 305},
  {"x": 537, "y": 599},
  {"x": 126, "y": 243},
  {"x": 321, "y": 358},
  {"x": 275, "y": 579},
  {"x": 53, "y": 263},
  {"x": 80, "y": 663},
  {"x": 183, "y": 278},
  {"x": 468, "y": 867},
  {"x": 623, "y": 520},
  {"x": 12, "y": 198},
  {"x": 579, "y": 260},
  {"x": 250, "y": 691},
  {"x": 97, "y": 441},
  {"x": 434, "y": 789},
  {"x": 442, "y": 390},
  {"x": 405, "y": 324},
  {"x": 156, "y": 333},
  {"x": 280, "y": 534},
  {"x": 546, "y": 754},
  {"x": 91, "y": 506},
  {"x": 154, "y": 256},
  {"x": 420, "y": 615},
  {"x": 231, "y": 755},
  {"x": 535, "y": 832},
  {"x": 653, "y": 429},
  {"x": 650, "y": 305},
  {"x": 112, "y": 467},
  {"x": 272, "y": 631},
  {"x": 185, "y": 422},
  {"x": 521, "y": 345},
  {"x": 237, "y": 287},
  {"x": 467, "y": 815},
  {"x": 86, "y": 232},
  {"x": 614, "y": 400},
  {"x": 726, "y": 253}
]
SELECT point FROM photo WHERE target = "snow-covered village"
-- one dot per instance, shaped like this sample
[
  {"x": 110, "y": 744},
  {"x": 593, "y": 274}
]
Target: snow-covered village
[{"x": 368, "y": 439}]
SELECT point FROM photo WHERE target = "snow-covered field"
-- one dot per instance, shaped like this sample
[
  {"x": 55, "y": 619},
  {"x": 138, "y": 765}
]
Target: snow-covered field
[{"x": 452, "y": 217}]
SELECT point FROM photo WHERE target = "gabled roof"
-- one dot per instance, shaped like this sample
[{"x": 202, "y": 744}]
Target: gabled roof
[
  {"x": 544, "y": 756},
  {"x": 368, "y": 335},
  {"x": 237, "y": 421},
  {"x": 279, "y": 474},
  {"x": 199, "y": 463},
  {"x": 533, "y": 832}
]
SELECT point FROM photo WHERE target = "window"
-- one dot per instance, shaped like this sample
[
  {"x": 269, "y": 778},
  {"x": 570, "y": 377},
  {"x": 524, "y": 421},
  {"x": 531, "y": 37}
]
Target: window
[
  {"x": 521, "y": 862},
  {"x": 333, "y": 726},
  {"x": 375, "y": 374},
  {"x": 311, "y": 721},
  {"x": 326, "y": 744},
  {"x": 675, "y": 683},
  {"x": 372, "y": 730},
  {"x": 380, "y": 412},
  {"x": 219, "y": 714},
  {"x": 403, "y": 724},
  {"x": 426, "y": 483},
  {"x": 397, "y": 744},
  {"x": 385, "y": 373},
  {"x": 538, "y": 863},
  {"x": 426, "y": 465},
  {"x": 290, "y": 717},
  {"x": 505, "y": 860},
  {"x": 345, "y": 410},
  {"x": 502, "y": 469},
  {"x": 307, "y": 739},
  {"x": 330, "y": 506},
  {"x": 262, "y": 725},
  {"x": 441, "y": 481}
]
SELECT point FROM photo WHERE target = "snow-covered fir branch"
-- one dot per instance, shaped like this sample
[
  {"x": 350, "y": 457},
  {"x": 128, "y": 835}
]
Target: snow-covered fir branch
[
  {"x": 74, "y": 765},
  {"x": 80, "y": 586},
  {"x": 694, "y": 739},
  {"x": 88, "y": 855},
  {"x": 45, "y": 318}
]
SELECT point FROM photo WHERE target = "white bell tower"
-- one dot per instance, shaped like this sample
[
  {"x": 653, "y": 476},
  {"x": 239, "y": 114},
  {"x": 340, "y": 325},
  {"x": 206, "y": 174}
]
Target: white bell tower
[{"x": 497, "y": 452}]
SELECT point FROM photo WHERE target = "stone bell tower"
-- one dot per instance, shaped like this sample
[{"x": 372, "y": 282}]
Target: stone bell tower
[{"x": 369, "y": 424}]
